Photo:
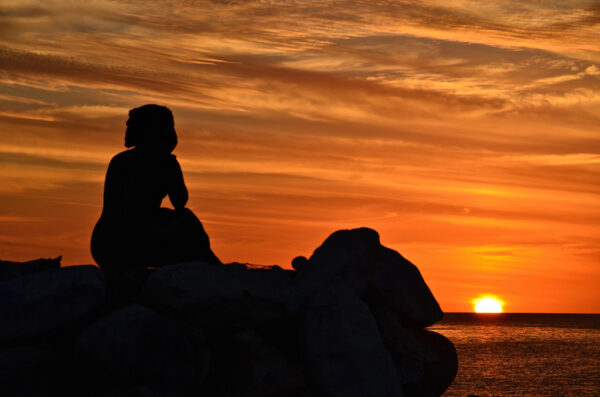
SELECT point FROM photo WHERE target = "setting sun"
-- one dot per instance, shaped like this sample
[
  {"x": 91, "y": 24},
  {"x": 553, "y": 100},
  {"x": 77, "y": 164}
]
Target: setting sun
[{"x": 488, "y": 305}]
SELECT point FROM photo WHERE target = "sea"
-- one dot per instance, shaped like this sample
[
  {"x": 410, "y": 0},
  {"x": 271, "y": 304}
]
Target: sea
[{"x": 518, "y": 354}]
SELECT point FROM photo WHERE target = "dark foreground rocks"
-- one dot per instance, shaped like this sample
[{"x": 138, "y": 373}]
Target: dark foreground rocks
[
  {"x": 10, "y": 269},
  {"x": 345, "y": 355},
  {"x": 50, "y": 300},
  {"x": 118, "y": 344},
  {"x": 347, "y": 321}
]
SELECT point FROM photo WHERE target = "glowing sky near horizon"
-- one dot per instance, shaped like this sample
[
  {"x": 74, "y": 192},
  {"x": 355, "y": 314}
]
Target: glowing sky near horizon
[{"x": 466, "y": 133}]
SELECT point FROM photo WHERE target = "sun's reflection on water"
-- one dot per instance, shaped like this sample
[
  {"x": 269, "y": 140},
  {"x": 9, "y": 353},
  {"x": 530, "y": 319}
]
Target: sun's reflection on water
[{"x": 524, "y": 354}]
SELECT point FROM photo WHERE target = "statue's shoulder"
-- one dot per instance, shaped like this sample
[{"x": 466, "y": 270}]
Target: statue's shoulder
[
  {"x": 123, "y": 159},
  {"x": 125, "y": 155}
]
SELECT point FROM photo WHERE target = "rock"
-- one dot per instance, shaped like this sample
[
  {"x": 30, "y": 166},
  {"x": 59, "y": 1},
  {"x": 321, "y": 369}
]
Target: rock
[
  {"x": 425, "y": 362},
  {"x": 49, "y": 300},
  {"x": 408, "y": 354},
  {"x": 123, "y": 286},
  {"x": 441, "y": 365},
  {"x": 27, "y": 371},
  {"x": 130, "y": 391},
  {"x": 345, "y": 355},
  {"x": 213, "y": 296},
  {"x": 137, "y": 344},
  {"x": 10, "y": 270},
  {"x": 299, "y": 262},
  {"x": 264, "y": 371},
  {"x": 401, "y": 285},
  {"x": 347, "y": 256},
  {"x": 345, "y": 322}
]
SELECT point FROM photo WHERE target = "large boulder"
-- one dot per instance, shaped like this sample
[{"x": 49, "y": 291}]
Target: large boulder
[
  {"x": 49, "y": 300},
  {"x": 408, "y": 354},
  {"x": 123, "y": 286},
  {"x": 400, "y": 284},
  {"x": 345, "y": 355},
  {"x": 440, "y": 366},
  {"x": 262, "y": 370},
  {"x": 137, "y": 345},
  {"x": 215, "y": 297},
  {"x": 425, "y": 362},
  {"x": 127, "y": 391},
  {"x": 347, "y": 256},
  {"x": 28, "y": 371},
  {"x": 10, "y": 269}
]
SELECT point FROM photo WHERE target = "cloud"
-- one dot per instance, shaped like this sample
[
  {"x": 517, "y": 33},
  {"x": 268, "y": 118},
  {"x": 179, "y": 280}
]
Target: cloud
[
  {"x": 592, "y": 70},
  {"x": 20, "y": 64},
  {"x": 296, "y": 118}
]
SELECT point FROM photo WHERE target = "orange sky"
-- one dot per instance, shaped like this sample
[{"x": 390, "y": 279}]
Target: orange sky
[{"x": 467, "y": 134}]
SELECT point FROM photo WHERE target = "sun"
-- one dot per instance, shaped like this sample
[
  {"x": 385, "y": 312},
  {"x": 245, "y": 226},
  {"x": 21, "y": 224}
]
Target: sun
[{"x": 488, "y": 305}]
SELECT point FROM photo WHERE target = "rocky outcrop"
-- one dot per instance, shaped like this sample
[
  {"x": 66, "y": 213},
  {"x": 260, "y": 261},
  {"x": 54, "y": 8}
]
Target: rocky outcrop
[
  {"x": 39, "y": 303},
  {"x": 345, "y": 355},
  {"x": 265, "y": 370},
  {"x": 347, "y": 321},
  {"x": 213, "y": 296},
  {"x": 136, "y": 343},
  {"x": 10, "y": 269},
  {"x": 28, "y": 371},
  {"x": 347, "y": 256},
  {"x": 440, "y": 365},
  {"x": 401, "y": 286}
]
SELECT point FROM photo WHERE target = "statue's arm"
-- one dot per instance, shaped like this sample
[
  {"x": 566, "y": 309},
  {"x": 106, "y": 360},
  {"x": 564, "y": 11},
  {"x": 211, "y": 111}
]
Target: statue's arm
[
  {"x": 178, "y": 193},
  {"x": 112, "y": 184}
]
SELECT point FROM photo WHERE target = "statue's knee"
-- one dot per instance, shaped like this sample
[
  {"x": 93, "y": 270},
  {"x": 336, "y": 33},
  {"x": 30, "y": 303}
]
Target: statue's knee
[{"x": 190, "y": 217}]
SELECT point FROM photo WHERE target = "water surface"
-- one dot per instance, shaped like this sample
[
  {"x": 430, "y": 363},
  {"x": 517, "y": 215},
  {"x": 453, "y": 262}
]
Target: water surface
[{"x": 518, "y": 354}]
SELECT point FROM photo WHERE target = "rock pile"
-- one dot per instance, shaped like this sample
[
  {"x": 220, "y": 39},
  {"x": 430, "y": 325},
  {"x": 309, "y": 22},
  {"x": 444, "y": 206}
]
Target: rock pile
[{"x": 348, "y": 321}]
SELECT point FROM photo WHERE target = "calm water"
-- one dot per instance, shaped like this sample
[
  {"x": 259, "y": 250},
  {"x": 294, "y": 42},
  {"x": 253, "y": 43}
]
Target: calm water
[{"x": 524, "y": 354}]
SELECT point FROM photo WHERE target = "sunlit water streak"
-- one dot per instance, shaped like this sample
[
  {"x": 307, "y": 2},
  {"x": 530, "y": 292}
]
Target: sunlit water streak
[{"x": 524, "y": 354}]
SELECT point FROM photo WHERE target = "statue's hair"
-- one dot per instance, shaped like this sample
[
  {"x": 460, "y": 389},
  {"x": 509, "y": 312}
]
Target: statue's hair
[{"x": 151, "y": 126}]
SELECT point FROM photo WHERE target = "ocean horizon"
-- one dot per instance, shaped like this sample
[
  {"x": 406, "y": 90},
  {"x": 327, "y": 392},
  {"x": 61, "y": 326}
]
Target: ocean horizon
[{"x": 524, "y": 354}]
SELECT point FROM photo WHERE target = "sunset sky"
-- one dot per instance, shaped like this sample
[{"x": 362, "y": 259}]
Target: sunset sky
[{"x": 466, "y": 133}]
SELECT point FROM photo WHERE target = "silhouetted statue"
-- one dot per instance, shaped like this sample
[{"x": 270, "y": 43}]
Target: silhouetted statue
[{"x": 134, "y": 230}]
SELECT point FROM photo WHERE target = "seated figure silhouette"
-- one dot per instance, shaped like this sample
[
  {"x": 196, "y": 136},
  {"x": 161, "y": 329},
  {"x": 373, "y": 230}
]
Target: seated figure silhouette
[{"x": 134, "y": 231}]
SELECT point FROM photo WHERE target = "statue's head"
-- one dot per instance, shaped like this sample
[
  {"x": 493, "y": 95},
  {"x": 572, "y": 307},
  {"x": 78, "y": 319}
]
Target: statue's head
[{"x": 151, "y": 127}]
